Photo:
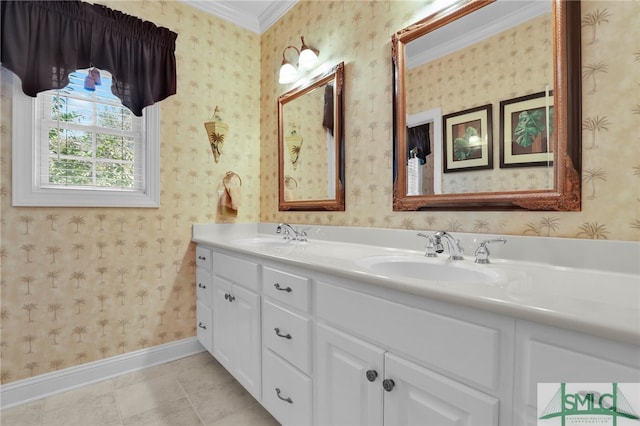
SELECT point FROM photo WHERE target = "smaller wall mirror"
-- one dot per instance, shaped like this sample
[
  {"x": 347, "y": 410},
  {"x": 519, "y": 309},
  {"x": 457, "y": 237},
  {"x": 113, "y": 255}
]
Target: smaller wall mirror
[{"x": 311, "y": 144}]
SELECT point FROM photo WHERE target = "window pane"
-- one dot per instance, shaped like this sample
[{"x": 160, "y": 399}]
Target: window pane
[
  {"x": 114, "y": 175},
  {"x": 70, "y": 142},
  {"x": 115, "y": 147},
  {"x": 113, "y": 117},
  {"x": 66, "y": 171},
  {"x": 71, "y": 110}
]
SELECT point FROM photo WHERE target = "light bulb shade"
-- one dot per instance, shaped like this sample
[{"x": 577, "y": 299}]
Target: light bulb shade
[
  {"x": 288, "y": 73},
  {"x": 307, "y": 59}
]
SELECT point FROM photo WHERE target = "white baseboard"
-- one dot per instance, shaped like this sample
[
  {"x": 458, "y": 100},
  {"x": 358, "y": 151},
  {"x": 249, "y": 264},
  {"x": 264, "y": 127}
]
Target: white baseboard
[{"x": 34, "y": 388}]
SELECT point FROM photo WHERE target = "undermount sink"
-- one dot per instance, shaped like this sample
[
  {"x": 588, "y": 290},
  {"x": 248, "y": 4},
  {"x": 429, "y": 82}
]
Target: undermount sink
[
  {"x": 425, "y": 268},
  {"x": 265, "y": 242}
]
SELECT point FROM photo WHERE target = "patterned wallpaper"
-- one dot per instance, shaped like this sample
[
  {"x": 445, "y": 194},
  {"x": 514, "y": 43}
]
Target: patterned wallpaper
[
  {"x": 520, "y": 64},
  {"x": 82, "y": 284},
  {"x": 359, "y": 34}
]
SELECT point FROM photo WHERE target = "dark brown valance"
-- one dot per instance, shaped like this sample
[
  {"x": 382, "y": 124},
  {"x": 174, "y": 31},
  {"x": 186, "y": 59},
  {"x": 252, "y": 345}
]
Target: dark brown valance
[{"x": 44, "y": 41}]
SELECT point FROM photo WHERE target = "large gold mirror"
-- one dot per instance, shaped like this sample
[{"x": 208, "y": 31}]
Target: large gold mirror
[
  {"x": 311, "y": 144},
  {"x": 487, "y": 107}
]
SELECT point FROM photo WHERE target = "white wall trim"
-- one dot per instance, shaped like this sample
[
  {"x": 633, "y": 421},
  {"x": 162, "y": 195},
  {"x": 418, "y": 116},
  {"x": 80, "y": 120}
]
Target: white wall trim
[{"x": 44, "y": 385}]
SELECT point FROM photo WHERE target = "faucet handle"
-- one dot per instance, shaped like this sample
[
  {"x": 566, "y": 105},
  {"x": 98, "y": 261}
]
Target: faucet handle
[
  {"x": 430, "y": 246},
  {"x": 482, "y": 252}
]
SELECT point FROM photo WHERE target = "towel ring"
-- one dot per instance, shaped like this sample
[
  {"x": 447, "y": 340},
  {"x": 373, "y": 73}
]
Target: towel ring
[
  {"x": 288, "y": 179},
  {"x": 230, "y": 175}
]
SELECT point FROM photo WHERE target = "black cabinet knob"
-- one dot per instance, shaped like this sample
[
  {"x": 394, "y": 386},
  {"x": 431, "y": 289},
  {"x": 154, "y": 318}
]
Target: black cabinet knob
[
  {"x": 388, "y": 385},
  {"x": 372, "y": 375}
]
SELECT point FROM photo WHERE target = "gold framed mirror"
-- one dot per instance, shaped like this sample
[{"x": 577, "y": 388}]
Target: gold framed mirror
[
  {"x": 311, "y": 144},
  {"x": 487, "y": 107}
]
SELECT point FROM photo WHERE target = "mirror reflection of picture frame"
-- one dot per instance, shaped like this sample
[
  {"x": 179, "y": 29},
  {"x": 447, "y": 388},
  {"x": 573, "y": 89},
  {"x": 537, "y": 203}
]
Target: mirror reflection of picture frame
[
  {"x": 468, "y": 140},
  {"x": 526, "y": 126}
]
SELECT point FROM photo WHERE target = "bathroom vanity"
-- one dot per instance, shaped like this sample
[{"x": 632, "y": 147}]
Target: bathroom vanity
[{"x": 338, "y": 330}]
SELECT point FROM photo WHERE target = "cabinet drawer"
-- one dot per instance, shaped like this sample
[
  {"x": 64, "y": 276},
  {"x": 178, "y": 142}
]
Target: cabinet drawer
[
  {"x": 204, "y": 329},
  {"x": 287, "y": 334},
  {"x": 287, "y": 288},
  {"x": 203, "y": 257},
  {"x": 286, "y": 392},
  {"x": 440, "y": 341},
  {"x": 203, "y": 285},
  {"x": 238, "y": 271}
]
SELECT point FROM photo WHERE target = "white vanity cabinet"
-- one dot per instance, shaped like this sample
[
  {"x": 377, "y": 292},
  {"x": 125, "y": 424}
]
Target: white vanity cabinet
[
  {"x": 204, "y": 318},
  {"x": 236, "y": 319},
  {"x": 550, "y": 355},
  {"x": 287, "y": 346},
  {"x": 319, "y": 348},
  {"x": 394, "y": 364}
]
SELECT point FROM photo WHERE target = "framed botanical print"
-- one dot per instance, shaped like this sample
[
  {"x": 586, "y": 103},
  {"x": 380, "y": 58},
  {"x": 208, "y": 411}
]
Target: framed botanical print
[
  {"x": 526, "y": 131},
  {"x": 467, "y": 140}
]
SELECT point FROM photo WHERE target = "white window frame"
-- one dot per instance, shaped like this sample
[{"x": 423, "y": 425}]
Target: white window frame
[{"x": 27, "y": 190}]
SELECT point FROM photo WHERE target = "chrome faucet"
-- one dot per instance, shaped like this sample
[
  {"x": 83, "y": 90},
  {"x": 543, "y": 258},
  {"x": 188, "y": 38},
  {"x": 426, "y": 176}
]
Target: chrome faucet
[
  {"x": 290, "y": 233},
  {"x": 482, "y": 252},
  {"x": 456, "y": 252},
  {"x": 430, "y": 247}
]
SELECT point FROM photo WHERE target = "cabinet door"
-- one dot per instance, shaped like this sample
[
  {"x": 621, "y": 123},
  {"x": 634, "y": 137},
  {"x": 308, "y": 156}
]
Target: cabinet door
[
  {"x": 345, "y": 395},
  {"x": 223, "y": 324},
  {"x": 421, "y": 397},
  {"x": 551, "y": 355},
  {"x": 246, "y": 354}
]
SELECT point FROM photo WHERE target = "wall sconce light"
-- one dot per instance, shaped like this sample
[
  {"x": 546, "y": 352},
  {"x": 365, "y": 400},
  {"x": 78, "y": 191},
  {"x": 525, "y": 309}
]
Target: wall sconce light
[{"x": 307, "y": 59}]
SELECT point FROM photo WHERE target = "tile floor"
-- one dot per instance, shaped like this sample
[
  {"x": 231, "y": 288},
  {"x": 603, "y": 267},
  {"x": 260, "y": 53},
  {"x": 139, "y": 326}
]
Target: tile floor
[{"x": 195, "y": 390}]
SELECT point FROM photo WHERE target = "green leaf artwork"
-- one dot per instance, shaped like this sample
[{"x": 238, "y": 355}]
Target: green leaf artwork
[
  {"x": 531, "y": 124},
  {"x": 461, "y": 146}
]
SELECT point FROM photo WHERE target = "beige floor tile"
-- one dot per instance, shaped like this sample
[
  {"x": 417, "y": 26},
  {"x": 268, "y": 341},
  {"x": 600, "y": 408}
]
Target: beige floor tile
[
  {"x": 148, "y": 394},
  {"x": 221, "y": 401},
  {"x": 198, "y": 360},
  {"x": 134, "y": 377},
  {"x": 197, "y": 378},
  {"x": 78, "y": 396},
  {"x": 24, "y": 415},
  {"x": 251, "y": 415},
  {"x": 174, "y": 413},
  {"x": 101, "y": 410}
]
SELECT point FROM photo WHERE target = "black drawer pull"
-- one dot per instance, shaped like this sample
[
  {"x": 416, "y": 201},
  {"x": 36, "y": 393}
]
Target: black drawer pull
[
  {"x": 201, "y": 325},
  {"x": 202, "y": 285},
  {"x": 287, "y": 289},
  {"x": 289, "y": 400},
  {"x": 229, "y": 297},
  {"x": 202, "y": 258},
  {"x": 286, "y": 336}
]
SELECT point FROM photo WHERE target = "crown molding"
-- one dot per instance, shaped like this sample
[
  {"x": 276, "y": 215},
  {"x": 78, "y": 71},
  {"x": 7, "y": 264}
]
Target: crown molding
[{"x": 257, "y": 24}]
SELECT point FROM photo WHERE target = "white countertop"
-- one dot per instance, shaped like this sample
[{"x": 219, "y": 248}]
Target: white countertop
[{"x": 583, "y": 285}]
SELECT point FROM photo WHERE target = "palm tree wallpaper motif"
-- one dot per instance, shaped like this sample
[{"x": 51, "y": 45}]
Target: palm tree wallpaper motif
[{"x": 45, "y": 330}]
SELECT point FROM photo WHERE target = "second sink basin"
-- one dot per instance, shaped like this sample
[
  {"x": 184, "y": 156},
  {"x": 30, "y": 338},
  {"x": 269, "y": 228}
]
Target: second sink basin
[
  {"x": 264, "y": 242},
  {"x": 424, "y": 268}
]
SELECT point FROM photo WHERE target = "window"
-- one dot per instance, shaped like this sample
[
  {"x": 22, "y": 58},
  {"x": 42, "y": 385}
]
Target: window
[{"x": 75, "y": 147}]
